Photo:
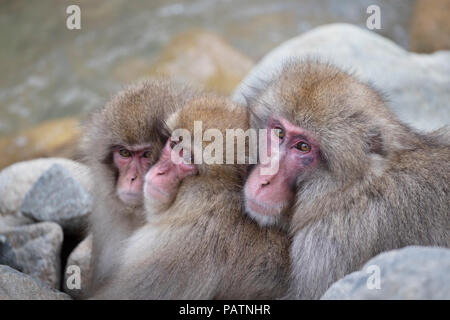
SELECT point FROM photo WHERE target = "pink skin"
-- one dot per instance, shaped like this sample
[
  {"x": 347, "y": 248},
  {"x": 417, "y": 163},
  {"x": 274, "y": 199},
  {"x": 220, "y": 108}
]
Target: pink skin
[
  {"x": 163, "y": 179},
  {"x": 132, "y": 169},
  {"x": 270, "y": 195}
]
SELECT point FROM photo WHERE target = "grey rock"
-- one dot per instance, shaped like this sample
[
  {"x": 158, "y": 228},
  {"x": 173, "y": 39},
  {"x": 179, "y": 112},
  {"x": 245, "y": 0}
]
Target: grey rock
[
  {"x": 57, "y": 196},
  {"x": 417, "y": 85},
  {"x": 15, "y": 285},
  {"x": 17, "y": 179},
  {"x": 7, "y": 254},
  {"x": 81, "y": 259},
  {"x": 409, "y": 273},
  {"x": 37, "y": 249}
]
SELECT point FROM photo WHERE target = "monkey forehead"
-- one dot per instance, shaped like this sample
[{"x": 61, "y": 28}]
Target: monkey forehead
[
  {"x": 136, "y": 114},
  {"x": 329, "y": 103},
  {"x": 212, "y": 113},
  {"x": 135, "y": 147}
]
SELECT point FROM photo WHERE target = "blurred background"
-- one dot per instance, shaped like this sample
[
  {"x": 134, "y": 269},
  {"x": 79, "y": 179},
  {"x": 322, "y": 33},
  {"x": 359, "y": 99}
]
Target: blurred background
[{"x": 51, "y": 76}]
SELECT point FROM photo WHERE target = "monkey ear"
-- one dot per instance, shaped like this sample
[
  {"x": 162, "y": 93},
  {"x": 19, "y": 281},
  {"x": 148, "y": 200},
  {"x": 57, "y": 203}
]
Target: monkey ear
[
  {"x": 164, "y": 130},
  {"x": 256, "y": 119},
  {"x": 376, "y": 142}
]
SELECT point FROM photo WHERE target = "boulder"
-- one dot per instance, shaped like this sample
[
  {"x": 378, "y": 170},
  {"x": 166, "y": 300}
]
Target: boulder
[
  {"x": 37, "y": 249},
  {"x": 15, "y": 285},
  {"x": 7, "y": 254},
  {"x": 80, "y": 258},
  {"x": 417, "y": 85},
  {"x": 57, "y": 196},
  {"x": 409, "y": 273},
  {"x": 17, "y": 179}
]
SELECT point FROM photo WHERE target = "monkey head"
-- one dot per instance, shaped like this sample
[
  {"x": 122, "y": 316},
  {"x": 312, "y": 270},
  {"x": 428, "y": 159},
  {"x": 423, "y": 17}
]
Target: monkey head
[
  {"x": 269, "y": 195},
  {"x": 163, "y": 179},
  {"x": 179, "y": 159},
  {"x": 328, "y": 128},
  {"x": 124, "y": 139},
  {"x": 132, "y": 163}
]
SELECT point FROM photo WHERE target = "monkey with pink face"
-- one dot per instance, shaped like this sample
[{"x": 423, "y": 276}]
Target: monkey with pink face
[
  {"x": 353, "y": 180},
  {"x": 121, "y": 142},
  {"x": 197, "y": 242}
]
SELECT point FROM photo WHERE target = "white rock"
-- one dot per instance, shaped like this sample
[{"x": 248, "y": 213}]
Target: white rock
[
  {"x": 15, "y": 285},
  {"x": 17, "y": 179},
  {"x": 410, "y": 273},
  {"x": 417, "y": 85},
  {"x": 57, "y": 196}
]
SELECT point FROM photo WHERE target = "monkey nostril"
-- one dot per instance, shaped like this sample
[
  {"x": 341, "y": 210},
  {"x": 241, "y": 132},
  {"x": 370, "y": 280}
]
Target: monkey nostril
[{"x": 265, "y": 183}]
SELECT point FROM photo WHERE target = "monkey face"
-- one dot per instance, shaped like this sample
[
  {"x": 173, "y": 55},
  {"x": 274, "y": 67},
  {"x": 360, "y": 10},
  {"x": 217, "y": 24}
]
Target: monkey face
[
  {"x": 268, "y": 193},
  {"x": 163, "y": 179},
  {"x": 132, "y": 163}
]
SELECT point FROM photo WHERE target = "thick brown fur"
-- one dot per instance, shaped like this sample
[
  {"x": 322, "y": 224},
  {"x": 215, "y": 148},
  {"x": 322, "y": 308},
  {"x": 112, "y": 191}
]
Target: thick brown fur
[
  {"x": 380, "y": 184},
  {"x": 134, "y": 117},
  {"x": 204, "y": 246}
]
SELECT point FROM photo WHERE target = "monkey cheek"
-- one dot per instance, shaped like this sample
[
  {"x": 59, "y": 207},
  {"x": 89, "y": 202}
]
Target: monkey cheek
[{"x": 156, "y": 195}]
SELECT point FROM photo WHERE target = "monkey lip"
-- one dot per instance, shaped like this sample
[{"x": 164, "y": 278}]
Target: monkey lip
[
  {"x": 131, "y": 198},
  {"x": 264, "y": 208}
]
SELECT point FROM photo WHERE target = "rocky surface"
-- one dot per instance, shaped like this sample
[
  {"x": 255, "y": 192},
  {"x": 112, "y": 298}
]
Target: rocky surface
[
  {"x": 7, "y": 254},
  {"x": 51, "y": 138},
  {"x": 417, "y": 85},
  {"x": 15, "y": 285},
  {"x": 16, "y": 180},
  {"x": 57, "y": 196},
  {"x": 37, "y": 250},
  {"x": 408, "y": 273},
  {"x": 430, "y": 26},
  {"x": 81, "y": 258}
]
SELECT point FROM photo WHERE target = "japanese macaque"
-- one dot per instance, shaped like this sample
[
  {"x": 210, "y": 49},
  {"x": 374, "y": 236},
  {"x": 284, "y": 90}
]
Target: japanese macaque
[
  {"x": 353, "y": 181},
  {"x": 198, "y": 243},
  {"x": 120, "y": 144}
]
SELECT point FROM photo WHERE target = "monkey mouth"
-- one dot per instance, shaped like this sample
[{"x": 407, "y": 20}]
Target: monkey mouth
[
  {"x": 130, "y": 198},
  {"x": 264, "y": 208}
]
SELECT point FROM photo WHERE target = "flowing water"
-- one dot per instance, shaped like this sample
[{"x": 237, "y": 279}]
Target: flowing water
[{"x": 48, "y": 71}]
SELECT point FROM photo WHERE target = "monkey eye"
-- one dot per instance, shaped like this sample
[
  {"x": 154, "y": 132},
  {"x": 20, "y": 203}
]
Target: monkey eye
[
  {"x": 303, "y": 146},
  {"x": 174, "y": 143},
  {"x": 125, "y": 153},
  {"x": 147, "y": 154},
  {"x": 279, "y": 132}
]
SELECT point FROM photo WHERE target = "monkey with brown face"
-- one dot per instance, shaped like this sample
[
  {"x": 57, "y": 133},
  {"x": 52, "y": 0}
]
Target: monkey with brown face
[
  {"x": 353, "y": 181},
  {"x": 120, "y": 144},
  {"x": 198, "y": 243}
]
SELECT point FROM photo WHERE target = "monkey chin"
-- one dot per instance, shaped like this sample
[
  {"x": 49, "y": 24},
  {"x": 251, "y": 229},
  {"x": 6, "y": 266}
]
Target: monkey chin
[
  {"x": 131, "y": 199},
  {"x": 264, "y": 215}
]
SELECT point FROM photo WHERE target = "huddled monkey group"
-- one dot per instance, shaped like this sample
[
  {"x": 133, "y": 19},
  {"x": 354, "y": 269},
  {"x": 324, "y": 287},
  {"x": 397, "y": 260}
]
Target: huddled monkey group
[{"x": 353, "y": 181}]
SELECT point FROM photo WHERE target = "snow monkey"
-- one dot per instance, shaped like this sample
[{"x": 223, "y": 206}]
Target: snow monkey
[
  {"x": 198, "y": 243},
  {"x": 120, "y": 143},
  {"x": 353, "y": 180}
]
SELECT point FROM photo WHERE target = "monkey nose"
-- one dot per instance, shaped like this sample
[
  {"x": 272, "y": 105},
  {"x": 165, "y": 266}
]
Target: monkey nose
[
  {"x": 161, "y": 172},
  {"x": 265, "y": 183}
]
